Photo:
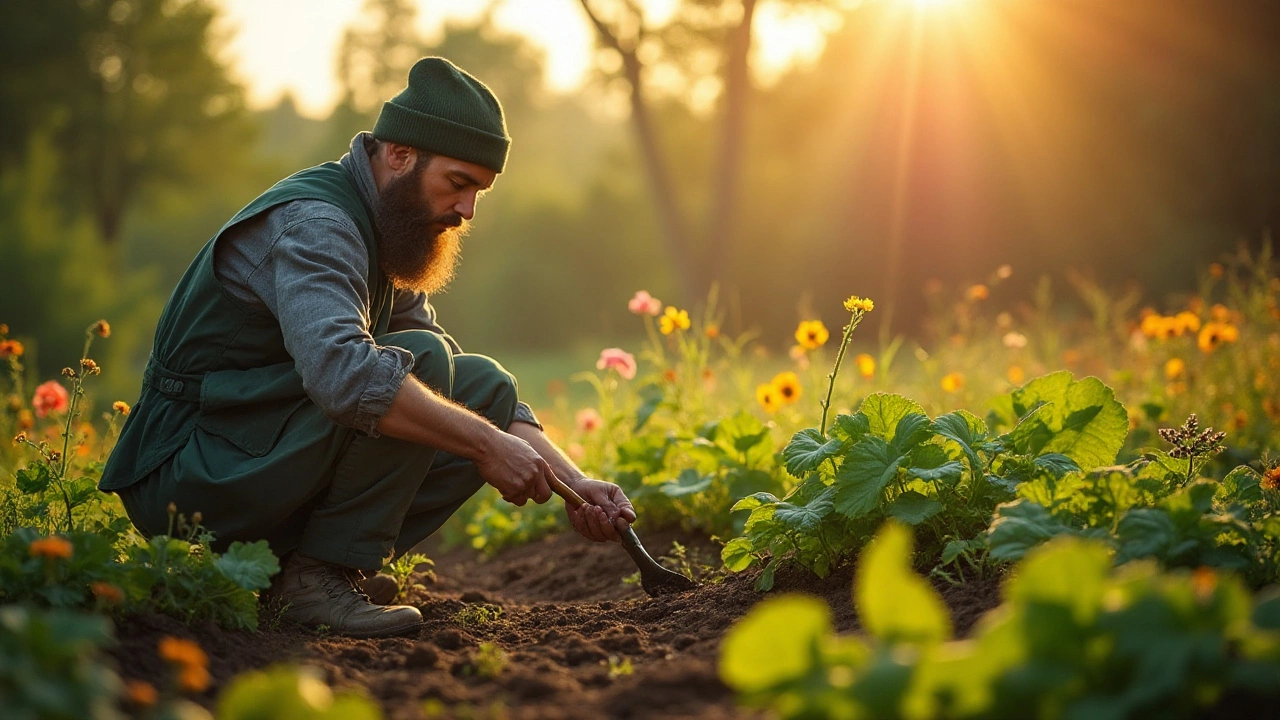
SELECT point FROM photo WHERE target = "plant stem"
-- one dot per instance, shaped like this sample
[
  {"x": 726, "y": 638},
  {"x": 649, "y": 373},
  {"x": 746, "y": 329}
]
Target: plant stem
[{"x": 835, "y": 371}]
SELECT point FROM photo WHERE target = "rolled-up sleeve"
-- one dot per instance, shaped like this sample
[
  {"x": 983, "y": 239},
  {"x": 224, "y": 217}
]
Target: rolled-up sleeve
[{"x": 321, "y": 301}]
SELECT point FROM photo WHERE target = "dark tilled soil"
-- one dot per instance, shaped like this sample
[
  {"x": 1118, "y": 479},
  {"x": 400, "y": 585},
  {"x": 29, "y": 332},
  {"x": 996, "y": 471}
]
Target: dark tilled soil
[{"x": 568, "y": 622}]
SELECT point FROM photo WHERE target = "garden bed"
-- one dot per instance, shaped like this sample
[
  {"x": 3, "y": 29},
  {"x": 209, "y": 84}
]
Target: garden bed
[{"x": 569, "y": 627}]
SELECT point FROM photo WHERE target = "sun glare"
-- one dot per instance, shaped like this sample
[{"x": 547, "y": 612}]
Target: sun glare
[{"x": 924, "y": 5}]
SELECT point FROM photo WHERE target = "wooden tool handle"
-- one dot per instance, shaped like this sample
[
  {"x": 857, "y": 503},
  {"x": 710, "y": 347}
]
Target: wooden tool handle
[{"x": 571, "y": 498}]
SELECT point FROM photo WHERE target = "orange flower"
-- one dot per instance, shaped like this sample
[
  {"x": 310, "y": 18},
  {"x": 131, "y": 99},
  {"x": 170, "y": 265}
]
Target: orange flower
[
  {"x": 142, "y": 694},
  {"x": 866, "y": 366},
  {"x": 183, "y": 652},
  {"x": 977, "y": 292},
  {"x": 194, "y": 678},
  {"x": 812, "y": 334},
  {"x": 107, "y": 593},
  {"x": 1174, "y": 368},
  {"x": 1216, "y": 270},
  {"x": 788, "y": 386},
  {"x": 1220, "y": 313},
  {"x": 1214, "y": 334},
  {"x": 121, "y": 407},
  {"x": 670, "y": 375},
  {"x": 767, "y": 396},
  {"x": 101, "y": 328},
  {"x": 1204, "y": 580},
  {"x": 712, "y": 331},
  {"x": 90, "y": 367},
  {"x": 10, "y": 348},
  {"x": 953, "y": 382},
  {"x": 52, "y": 547},
  {"x": 50, "y": 397},
  {"x": 1015, "y": 375},
  {"x": 1271, "y": 479}
]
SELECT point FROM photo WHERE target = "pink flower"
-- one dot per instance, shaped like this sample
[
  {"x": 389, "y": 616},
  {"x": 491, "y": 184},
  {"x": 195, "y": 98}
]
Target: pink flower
[
  {"x": 51, "y": 397},
  {"x": 644, "y": 304},
  {"x": 589, "y": 419},
  {"x": 577, "y": 452},
  {"x": 618, "y": 359}
]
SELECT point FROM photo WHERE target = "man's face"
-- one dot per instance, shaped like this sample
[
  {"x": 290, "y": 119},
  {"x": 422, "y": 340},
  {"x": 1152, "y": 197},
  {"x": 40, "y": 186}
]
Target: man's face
[{"x": 422, "y": 215}]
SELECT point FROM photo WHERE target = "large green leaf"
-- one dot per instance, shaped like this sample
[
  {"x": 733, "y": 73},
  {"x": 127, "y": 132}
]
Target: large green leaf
[
  {"x": 807, "y": 450},
  {"x": 1241, "y": 485},
  {"x": 651, "y": 397},
  {"x": 1080, "y": 419},
  {"x": 911, "y": 430},
  {"x": 249, "y": 565},
  {"x": 913, "y": 508},
  {"x": 894, "y": 604},
  {"x": 34, "y": 479},
  {"x": 1019, "y": 526},
  {"x": 884, "y": 411},
  {"x": 966, "y": 430},
  {"x": 689, "y": 482},
  {"x": 863, "y": 475},
  {"x": 849, "y": 429},
  {"x": 1145, "y": 532},
  {"x": 738, "y": 554},
  {"x": 1068, "y": 572},
  {"x": 775, "y": 644},
  {"x": 805, "y": 518}
]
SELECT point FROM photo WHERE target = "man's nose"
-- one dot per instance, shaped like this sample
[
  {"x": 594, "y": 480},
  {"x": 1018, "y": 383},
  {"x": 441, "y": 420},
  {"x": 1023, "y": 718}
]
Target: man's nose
[{"x": 466, "y": 207}]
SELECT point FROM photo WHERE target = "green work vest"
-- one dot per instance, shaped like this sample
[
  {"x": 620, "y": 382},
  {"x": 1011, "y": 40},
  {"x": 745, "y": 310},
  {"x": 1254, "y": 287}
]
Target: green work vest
[{"x": 221, "y": 365}]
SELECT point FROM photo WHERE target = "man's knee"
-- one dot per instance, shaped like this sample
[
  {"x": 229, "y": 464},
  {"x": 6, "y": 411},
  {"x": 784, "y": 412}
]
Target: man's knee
[
  {"x": 433, "y": 361},
  {"x": 486, "y": 387}
]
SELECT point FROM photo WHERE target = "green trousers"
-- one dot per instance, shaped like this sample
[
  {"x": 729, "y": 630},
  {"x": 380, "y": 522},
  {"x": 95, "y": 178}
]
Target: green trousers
[{"x": 327, "y": 491}]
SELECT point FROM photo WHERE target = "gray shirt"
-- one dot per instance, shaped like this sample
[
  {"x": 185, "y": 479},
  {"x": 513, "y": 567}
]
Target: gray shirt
[{"x": 305, "y": 263}]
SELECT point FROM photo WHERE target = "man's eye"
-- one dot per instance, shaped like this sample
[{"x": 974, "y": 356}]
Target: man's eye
[{"x": 456, "y": 185}]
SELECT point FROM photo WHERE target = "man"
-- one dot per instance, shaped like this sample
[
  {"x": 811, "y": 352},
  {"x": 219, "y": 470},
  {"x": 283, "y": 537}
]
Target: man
[{"x": 300, "y": 390}]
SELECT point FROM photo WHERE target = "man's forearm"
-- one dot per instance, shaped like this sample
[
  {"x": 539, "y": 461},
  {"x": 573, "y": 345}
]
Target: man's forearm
[{"x": 420, "y": 415}]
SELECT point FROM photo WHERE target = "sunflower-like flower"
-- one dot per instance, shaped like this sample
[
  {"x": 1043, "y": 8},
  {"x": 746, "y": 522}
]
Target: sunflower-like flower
[
  {"x": 1175, "y": 368},
  {"x": 812, "y": 334},
  {"x": 859, "y": 304},
  {"x": 768, "y": 397},
  {"x": 952, "y": 382},
  {"x": 1214, "y": 334},
  {"x": 788, "y": 386},
  {"x": 673, "y": 319},
  {"x": 866, "y": 366}
]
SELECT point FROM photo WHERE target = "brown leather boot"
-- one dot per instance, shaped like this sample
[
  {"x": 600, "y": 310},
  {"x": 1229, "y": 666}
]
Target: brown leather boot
[
  {"x": 381, "y": 588},
  {"x": 317, "y": 594}
]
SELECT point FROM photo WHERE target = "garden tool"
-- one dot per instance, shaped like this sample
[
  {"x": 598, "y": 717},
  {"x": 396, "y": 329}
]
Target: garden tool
[{"x": 655, "y": 579}]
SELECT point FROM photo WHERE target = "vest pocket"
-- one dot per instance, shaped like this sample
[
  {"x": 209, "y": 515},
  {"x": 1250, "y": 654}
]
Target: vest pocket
[{"x": 249, "y": 408}]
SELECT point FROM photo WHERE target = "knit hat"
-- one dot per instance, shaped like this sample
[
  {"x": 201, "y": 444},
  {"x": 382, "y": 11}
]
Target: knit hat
[{"x": 446, "y": 111}]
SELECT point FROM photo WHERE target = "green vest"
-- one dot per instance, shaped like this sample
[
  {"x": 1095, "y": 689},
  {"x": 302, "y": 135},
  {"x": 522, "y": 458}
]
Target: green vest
[{"x": 221, "y": 365}]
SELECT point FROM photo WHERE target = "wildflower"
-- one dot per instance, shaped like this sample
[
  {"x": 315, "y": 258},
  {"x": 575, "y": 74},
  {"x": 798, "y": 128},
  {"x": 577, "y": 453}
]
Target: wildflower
[
  {"x": 1220, "y": 313},
  {"x": 140, "y": 693},
  {"x": 50, "y": 397},
  {"x": 1004, "y": 272},
  {"x": 197, "y": 517},
  {"x": 712, "y": 331},
  {"x": 101, "y": 329},
  {"x": 588, "y": 419},
  {"x": 1216, "y": 270},
  {"x": 1004, "y": 321},
  {"x": 952, "y": 382},
  {"x": 866, "y": 366},
  {"x": 618, "y": 359},
  {"x": 51, "y": 547},
  {"x": 1187, "y": 321},
  {"x": 55, "y": 456},
  {"x": 90, "y": 367},
  {"x": 767, "y": 396},
  {"x": 669, "y": 375},
  {"x": 642, "y": 303},
  {"x": 121, "y": 407},
  {"x": 977, "y": 292},
  {"x": 69, "y": 373},
  {"x": 1271, "y": 479},
  {"x": 182, "y": 652},
  {"x": 1187, "y": 442},
  {"x": 4, "y": 329},
  {"x": 1204, "y": 580},
  {"x": 788, "y": 386},
  {"x": 1175, "y": 368},
  {"x": 1015, "y": 374},
  {"x": 812, "y": 334},
  {"x": 672, "y": 320},
  {"x": 194, "y": 678},
  {"x": 859, "y": 304},
  {"x": 26, "y": 420},
  {"x": 1272, "y": 409},
  {"x": 1014, "y": 340},
  {"x": 10, "y": 348},
  {"x": 107, "y": 593},
  {"x": 19, "y": 438},
  {"x": 1214, "y": 334},
  {"x": 708, "y": 379}
]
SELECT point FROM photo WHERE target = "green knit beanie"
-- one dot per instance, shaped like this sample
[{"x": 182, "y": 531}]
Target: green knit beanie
[{"x": 446, "y": 111}]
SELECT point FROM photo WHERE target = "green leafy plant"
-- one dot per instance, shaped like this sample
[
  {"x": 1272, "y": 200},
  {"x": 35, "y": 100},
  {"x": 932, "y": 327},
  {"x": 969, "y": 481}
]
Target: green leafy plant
[
  {"x": 477, "y": 615},
  {"x": 52, "y": 665},
  {"x": 403, "y": 568},
  {"x": 1074, "y": 638},
  {"x": 290, "y": 693}
]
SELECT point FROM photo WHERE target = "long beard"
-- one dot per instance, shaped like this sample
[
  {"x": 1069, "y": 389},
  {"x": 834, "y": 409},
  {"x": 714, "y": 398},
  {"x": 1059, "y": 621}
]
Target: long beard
[{"x": 418, "y": 249}]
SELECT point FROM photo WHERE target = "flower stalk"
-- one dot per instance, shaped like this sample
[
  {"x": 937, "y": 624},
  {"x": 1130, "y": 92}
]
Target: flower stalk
[{"x": 858, "y": 308}]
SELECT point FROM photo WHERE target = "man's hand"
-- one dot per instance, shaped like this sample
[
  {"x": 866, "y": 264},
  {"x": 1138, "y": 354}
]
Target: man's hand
[
  {"x": 518, "y": 472},
  {"x": 607, "y": 509}
]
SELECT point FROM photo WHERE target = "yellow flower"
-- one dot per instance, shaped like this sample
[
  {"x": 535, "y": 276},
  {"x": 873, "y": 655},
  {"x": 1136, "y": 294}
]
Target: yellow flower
[
  {"x": 812, "y": 334},
  {"x": 866, "y": 366},
  {"x": 121, "y": 407},
  {"x": 183, "y": 652},
  {"x": 1214, "y": 334},
  {"x": 1174, "y": 368},
  {"x": 51, "y": 547},
  {"x": 1015, "y": 374},
  {"x": 977, "y": 292},
  {"x": 787, "y": 384},
  {"x": 767, "y": 396},
  {"x": 1187, "y": 322},
  {"x": 672, "y": 320},
  {"x": 953, "y": 382},
  {"x": 859, "y": 304}
]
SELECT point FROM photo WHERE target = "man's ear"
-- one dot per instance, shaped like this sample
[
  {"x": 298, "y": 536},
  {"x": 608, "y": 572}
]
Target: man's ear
[{"x": 400, "y": 158}]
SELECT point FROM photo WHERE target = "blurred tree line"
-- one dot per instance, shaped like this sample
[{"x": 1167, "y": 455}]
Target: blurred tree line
[{"x": 1133, "y": 141}]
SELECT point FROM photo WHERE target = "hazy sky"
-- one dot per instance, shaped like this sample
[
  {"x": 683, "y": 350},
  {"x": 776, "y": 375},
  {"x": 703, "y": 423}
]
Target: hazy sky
[{"x": 278, "y": 45}]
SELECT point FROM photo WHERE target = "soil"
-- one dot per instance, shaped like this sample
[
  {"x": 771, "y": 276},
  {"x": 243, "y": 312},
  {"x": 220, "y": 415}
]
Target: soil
[{"x": 569, "y": 627}]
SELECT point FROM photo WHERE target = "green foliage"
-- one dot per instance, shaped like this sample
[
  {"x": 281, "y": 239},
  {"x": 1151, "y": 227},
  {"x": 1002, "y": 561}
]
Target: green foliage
[
  {"x": 290, "y": 693},
  {"x": 477, "y": 615},
  {"x": 1073, "y": 639},
  {"x": 403, "y": 568},
  {"x": 52, "y": 665}
]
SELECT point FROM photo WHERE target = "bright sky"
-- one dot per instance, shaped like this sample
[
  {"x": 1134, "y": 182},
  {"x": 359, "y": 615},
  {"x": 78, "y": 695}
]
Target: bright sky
[{"x": 279, "y": 45}]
